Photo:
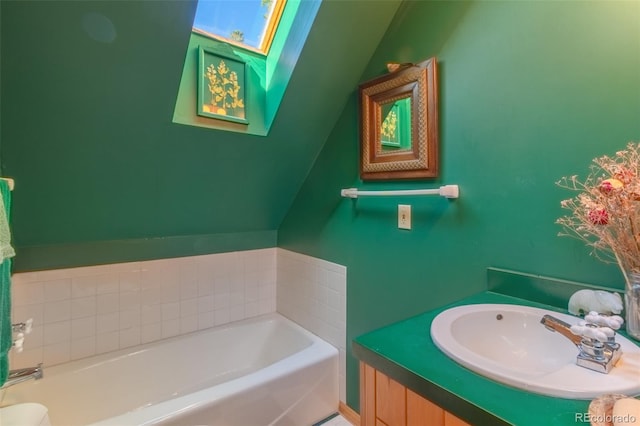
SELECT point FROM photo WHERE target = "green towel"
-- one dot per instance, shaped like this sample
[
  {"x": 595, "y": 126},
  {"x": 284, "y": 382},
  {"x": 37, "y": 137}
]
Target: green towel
[{"x": 6, "y": 252}]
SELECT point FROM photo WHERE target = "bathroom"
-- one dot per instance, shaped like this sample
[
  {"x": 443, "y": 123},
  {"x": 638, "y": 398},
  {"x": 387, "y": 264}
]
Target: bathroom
[{"x": 528, "y": 92}]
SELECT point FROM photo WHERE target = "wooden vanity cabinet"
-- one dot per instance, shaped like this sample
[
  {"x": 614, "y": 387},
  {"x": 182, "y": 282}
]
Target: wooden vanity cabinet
[{"x": 385, "y": 402}]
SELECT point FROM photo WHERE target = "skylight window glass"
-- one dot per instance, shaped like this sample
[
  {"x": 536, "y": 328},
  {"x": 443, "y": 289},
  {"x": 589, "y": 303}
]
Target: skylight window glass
[{"x": 247, "y": 23}]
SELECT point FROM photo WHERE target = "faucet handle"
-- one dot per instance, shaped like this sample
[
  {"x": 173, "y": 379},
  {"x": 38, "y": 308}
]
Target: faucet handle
[
  {"x": 601, "y": 334},
  {"x": 612, "y": 321},
  {"x": 19, "y": 342},
  {"x": 23, "y": 327}
]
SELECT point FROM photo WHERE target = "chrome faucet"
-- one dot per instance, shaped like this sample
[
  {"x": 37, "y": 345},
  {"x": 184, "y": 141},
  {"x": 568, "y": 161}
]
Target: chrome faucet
[
  {"x": 597, "y": 347},
  {"x": 23, "y": 374}
]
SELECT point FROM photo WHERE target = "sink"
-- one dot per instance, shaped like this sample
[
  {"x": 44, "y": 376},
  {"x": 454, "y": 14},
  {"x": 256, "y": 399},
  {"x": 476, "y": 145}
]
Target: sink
[{"x": 507, "y": 343}]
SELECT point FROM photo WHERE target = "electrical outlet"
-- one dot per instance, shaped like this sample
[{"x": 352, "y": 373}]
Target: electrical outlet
[{"x": 404, "y": 216}]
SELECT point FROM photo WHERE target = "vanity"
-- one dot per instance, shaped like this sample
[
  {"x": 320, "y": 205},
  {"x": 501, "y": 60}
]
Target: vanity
[
  {"x": 386, "y": 402},
  {"x": 405, "y": 379}
]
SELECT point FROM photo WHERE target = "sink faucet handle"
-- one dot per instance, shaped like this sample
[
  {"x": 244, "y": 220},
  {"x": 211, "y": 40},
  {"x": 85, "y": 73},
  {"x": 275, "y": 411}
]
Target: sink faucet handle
[
  {"x": 612, "y": 321},
  {"x": 601, "y": 334}
]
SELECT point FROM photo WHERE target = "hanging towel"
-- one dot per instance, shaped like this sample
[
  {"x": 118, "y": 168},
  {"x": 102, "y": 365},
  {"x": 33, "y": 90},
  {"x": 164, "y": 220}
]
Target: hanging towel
[{"x": 6, "y": 253}]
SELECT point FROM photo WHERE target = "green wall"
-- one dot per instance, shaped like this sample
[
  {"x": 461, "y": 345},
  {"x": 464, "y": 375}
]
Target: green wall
[
  {"x": 529, "y": 92},
  {"x": 103, "y": 175},
  {"x": 0, "y": 80}
]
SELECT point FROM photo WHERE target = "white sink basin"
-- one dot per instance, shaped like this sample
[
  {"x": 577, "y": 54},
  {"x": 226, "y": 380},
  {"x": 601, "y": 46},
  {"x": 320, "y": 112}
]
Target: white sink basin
[{"x": 507, "y": 343}]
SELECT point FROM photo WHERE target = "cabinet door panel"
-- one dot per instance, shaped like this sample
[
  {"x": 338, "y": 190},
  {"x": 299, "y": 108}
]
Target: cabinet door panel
[
  {"x": 422, "y": 412},
  {"x": 367, "y": 395},
  {"x": 451, "y": 420},
  {"x": 391, "y": 405}
]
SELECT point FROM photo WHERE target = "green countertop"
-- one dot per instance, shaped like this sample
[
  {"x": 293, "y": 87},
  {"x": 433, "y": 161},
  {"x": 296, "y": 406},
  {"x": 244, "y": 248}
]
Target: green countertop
[{"x": 405, "y": 352}]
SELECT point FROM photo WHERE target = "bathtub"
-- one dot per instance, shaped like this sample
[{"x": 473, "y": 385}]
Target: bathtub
[{"x": 261, "y": 371}]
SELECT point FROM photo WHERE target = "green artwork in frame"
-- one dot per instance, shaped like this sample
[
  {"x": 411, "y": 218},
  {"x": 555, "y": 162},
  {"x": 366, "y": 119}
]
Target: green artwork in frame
[
  {"x": 395, "y": 131},
  {"x": 389, "y": 129},
  {"x": 221, "y": 87}
]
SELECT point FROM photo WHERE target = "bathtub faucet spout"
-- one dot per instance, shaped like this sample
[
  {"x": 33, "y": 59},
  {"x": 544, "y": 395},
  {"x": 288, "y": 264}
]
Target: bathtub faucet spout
[{"x": 23, "y": 374}]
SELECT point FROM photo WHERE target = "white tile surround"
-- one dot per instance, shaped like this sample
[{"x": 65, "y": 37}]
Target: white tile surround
[
  {"x": 80, "y": 312},
  {"x": 313, "y": 293}
]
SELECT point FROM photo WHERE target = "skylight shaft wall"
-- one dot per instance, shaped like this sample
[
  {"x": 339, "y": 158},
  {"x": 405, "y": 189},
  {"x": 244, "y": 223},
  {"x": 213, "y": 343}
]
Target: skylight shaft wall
[{"x": 266, "y": 76}]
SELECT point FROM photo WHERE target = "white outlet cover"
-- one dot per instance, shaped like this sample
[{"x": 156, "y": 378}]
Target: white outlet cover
[{"x": 404, "y": 216}]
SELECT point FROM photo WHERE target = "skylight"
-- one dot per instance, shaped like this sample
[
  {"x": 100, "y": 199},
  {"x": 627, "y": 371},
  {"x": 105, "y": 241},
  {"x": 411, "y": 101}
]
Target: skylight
[
  {"x": 259, "y": 68},
  {"x": 247, "y": 23}
]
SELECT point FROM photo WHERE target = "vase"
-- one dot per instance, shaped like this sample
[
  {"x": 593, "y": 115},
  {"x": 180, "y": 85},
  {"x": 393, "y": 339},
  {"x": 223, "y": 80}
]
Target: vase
[{"x": 632, "y": 304}]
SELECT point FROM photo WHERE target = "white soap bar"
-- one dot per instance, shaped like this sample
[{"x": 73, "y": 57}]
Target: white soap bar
[
  {"x": 626, "y": 412},
  {"x": 603, "y": 302}
]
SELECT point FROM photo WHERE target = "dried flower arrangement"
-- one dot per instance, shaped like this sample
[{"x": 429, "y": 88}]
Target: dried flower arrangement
[{"x": 606, "y": 213}]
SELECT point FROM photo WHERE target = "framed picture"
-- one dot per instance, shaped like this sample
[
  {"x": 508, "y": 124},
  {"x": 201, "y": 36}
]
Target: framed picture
[
  {"x": 222, "y": 87},
  {"x": 399, "y": 124}
]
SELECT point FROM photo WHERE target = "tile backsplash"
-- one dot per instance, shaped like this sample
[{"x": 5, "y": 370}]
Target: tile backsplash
[
  {"x": 313, "y": 293},
  {"x": 79, "y": 312}
]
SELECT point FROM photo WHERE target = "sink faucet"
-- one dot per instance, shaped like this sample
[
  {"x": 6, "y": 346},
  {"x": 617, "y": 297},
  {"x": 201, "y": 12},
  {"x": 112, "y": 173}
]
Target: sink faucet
[
  {"x": 597, "y": 347},
  {"x": 22, "y": 375}
]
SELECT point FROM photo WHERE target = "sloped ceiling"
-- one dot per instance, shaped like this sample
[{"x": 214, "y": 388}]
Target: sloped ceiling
[{"x": 87, "y": 132}]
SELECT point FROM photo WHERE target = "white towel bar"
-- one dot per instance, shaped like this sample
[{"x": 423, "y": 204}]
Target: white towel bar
[{"x": 448, "y": 191}]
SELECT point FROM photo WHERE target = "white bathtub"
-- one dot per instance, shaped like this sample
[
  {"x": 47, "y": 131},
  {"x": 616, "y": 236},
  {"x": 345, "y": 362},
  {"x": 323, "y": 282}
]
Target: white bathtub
[{"x": 262, "y": 371}]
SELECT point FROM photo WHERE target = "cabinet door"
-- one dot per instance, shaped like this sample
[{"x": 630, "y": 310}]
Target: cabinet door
[
  {"x": 422, "y": 412},
  {"x": 451, "y": 420},
  {"x": 367, "y": 395},
  {"x": 391, "y": 406}
]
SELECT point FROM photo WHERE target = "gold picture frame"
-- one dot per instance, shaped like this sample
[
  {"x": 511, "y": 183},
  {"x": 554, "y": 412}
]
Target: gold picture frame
[{"x": 410, "y": 92}]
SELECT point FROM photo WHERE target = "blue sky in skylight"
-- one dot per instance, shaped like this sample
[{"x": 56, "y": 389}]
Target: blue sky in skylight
[{"x": 222, "y": 17}]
